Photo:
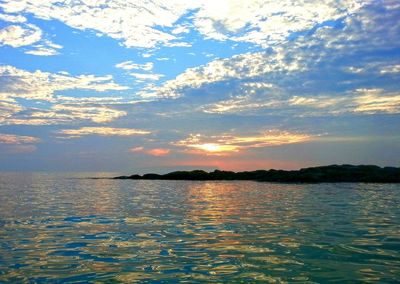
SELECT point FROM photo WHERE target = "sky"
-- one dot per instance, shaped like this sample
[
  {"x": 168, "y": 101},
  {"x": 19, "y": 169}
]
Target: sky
[{"x": 155, "y": 86}]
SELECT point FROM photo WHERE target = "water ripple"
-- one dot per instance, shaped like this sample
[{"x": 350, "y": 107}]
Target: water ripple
[{"x": 56, "y": 229}]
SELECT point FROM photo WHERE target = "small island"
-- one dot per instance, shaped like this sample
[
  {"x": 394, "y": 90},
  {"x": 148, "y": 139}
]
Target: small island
[{"x": 331, "y": 174}]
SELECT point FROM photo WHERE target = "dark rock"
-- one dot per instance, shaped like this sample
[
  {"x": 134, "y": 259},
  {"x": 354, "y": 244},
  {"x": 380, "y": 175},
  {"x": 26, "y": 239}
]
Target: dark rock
[{"x": 332, "y": 173}]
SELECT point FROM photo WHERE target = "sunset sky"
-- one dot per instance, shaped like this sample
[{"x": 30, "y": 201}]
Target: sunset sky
[{"x": 155, "y": 86}]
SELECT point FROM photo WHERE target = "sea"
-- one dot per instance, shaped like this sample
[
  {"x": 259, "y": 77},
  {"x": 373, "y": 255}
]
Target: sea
[{"x": 70, "y": 228}]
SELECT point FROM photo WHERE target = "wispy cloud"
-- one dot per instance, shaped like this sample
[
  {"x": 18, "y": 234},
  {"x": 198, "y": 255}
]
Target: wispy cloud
[
  {"x": 8, "y": 107},
  {"x": 390, "y": 69},
  {"x": 44, "y": 86},
  {"x": 129, "y": 65},
  {"x": 46, "y": 48},
  {"x": 17, "y": 139},
  {"x": 102, "y": 131},
  {"x": 376, "y": 101},
  {"x": 143, "y": 76},
  {"x": 64, "y": 114},
  {"x": 157, "y": 152},
  {"x": 39, "y": 85},
  {"x": 17, "y": 144}
]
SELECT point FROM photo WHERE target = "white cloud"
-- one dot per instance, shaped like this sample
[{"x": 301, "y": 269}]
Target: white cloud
[
  {"x": 376, "y": 101},
  {"x": 8, "y": 107},
  {"x": 17, "y": 36},
  {"x": 46, "y": 48},
  {"x": 266, "y": 22},
  {"x": 44, "y": 86},
  {"x": 178, "y": 44},
  {"x": 129, "y": 65},
  {"x": 138, "y": 24},
  {"x": 181, "y": 29},
  {"x": 102, "y": 131},
  {"x": 39, "y": 85},
  {"x": 247, "y": 65},
  {"x": 163, "y": 59},
  {"x": 280, "y": 101},
  {"x": 42, "y": 51},
  {"x": 390, "y": 69},
  {"x": 65, "y": 114},
  {"x": 89, "y": 100},
  {"x": 26, "y": 35},
  {"x": 147, "y": 55},
  {"x": 142, "y": 76},
  {"x": 301, "y": 71},
  {"x": 12, "y": 18}
]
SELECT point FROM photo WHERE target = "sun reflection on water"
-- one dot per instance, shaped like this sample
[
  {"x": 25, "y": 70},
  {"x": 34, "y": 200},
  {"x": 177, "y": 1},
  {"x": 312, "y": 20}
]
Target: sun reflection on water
[{"x": 80, "y": 230}]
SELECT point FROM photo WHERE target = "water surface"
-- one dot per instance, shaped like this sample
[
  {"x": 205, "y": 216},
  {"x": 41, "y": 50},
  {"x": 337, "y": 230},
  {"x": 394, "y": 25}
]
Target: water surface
[{"x": 60, "y": 228}]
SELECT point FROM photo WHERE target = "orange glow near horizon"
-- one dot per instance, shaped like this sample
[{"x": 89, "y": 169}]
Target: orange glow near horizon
[
  {"x": 240, "y": 165},
  {"x": 215, "y": 148},
  {"x": 226, "y": 144}
]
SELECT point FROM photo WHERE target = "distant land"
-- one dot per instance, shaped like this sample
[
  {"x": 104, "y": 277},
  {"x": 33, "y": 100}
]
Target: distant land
[{"x": 332, "y": 173}]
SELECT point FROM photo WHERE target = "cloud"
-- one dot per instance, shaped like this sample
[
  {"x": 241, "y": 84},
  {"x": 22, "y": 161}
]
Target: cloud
[
  {"x": 151, "y": 77},
  {"x": 8, "y": 107},
  {"x": 181, "y": 29},
  {"x": 129, "y": 65},
  {"x": 17, "y": 139},
  {"x": 178, "y": 44},
  {"x": 12, "y": 18},
  {"x": 146, "y": 67},
  {"x": 39, "y": 85},
  {"x": 359, "y": 101},
  {"x": 23, "y": 34},
  {"x": 135, "y": 24},
  {"x": 89, "y": 100},
  {"x": 17, "y": 144},
  {"x": 376, "y": 101},
  {"x": 157, "y": 152},
  {"x": 44, "y": 86},
  {"x": 225, "y": 144},
  {"x": 17, "y": 36},
  {"x": 243, "y": 66},
  {"x": 266, "y": 22},
  {"x": 390, "y": 69},
  {"x": 102, "y": 131},
  {"x": 96, "y": 114},
  {"x": 373, "y": 27},
  {"x": 153, "y": 23},
  {"x": 47, "y": 48},
  {"x": 65, "y": 114},
  {"x": 304, "y": 77}
]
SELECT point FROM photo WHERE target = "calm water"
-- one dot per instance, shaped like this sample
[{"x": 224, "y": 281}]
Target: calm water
[{"x": 56, "y": 228}]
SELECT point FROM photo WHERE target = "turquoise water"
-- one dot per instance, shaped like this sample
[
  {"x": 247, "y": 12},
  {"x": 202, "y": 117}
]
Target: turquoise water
[{"x": 57, "y": 228}]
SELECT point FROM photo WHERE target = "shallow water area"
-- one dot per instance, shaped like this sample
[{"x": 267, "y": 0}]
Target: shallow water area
[{"x": 64, "y": 228}]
